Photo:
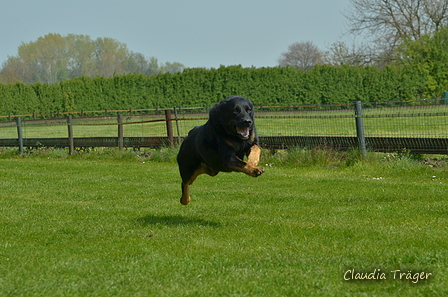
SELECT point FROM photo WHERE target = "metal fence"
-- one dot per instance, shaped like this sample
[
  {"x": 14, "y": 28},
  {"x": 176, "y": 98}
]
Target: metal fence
[{"x": 420, "y": 127}]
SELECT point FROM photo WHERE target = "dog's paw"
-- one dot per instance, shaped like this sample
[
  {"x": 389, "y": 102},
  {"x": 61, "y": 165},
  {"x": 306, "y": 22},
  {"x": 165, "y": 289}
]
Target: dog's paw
[
  {"x": 185, "y": 200},
  {"x": 257, "y": 171}
]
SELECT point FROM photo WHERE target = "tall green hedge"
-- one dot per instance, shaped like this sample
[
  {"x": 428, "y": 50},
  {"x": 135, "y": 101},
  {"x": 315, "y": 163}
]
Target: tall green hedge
[{"x": 198, "y": 87}]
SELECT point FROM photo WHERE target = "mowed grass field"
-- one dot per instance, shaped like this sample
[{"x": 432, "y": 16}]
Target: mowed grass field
[{"x": 95, "y": 225}]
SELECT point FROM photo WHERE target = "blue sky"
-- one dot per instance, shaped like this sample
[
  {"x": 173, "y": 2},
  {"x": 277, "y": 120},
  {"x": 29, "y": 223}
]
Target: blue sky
[{"x": 196, "y": 33}]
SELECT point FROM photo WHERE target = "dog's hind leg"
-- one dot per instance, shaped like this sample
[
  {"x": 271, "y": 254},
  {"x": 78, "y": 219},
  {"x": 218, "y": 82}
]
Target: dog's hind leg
[{"x": 185, "y": 199}]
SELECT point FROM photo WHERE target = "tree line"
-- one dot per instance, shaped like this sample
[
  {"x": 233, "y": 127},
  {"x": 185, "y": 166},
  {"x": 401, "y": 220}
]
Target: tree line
[
  {"x": 405, "y": 58},
  {"x": 380, "y": 29},
  {"x": 323, "y": 84},
  {"x": 408, "y": 34},
  {"x": 54, "y": 58}
]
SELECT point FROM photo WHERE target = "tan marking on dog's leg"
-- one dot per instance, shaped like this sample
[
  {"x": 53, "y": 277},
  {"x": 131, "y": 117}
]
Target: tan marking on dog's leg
[
  {"x": 186, "y": 186},
  {"x": 254, "y": 155},
  {"x": 185, "y": 199},
  {"x": 248, "y": 169},
  {"x": 251, "y": 170}
]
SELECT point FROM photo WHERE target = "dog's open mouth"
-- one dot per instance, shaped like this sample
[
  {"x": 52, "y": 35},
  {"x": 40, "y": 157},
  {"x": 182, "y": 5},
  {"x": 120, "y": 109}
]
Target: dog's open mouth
[{"x": 243, "y": 132}]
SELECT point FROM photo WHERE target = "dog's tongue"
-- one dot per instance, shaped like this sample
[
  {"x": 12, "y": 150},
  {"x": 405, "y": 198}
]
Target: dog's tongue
[{"x": 243, "y": 131}]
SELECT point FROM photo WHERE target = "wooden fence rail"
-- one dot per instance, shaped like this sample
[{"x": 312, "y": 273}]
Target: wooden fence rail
[
  {"x": 424, "y": 145},
  {"x": 377, "y": 144}
]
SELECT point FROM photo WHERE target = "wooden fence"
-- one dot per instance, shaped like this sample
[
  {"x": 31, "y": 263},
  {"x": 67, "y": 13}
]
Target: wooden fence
[{"x": 425, "y": 145}]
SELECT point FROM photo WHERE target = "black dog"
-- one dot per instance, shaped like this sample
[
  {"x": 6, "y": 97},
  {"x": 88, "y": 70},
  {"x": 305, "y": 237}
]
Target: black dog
[{"x": 221, "y": 144}]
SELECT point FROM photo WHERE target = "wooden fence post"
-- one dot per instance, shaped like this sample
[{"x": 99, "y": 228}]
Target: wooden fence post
[
  {"x": 177, "y": 125},
  {"x": 169, "y": 127},
  {"x": 19, "y": 134},
  {"x": 360, "y": 128},
  {"x": 71, "y": 143},
  {"x": 120, "y": 132}
]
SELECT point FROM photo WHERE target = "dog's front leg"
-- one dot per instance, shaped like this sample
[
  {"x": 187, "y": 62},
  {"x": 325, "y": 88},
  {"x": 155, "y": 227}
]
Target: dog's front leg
[
  {"x": 253, "y": 156},
  {"x": 238, "y": 165},
  {"x": 252, "y": 170}
]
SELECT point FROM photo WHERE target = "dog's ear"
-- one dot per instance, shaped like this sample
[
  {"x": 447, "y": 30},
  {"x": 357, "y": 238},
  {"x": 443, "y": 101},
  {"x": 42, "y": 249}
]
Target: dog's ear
[
  {"x": 213, "y": 114},
  {"x": 251, "y": 106},
  {"x": 219, "y": 116},
  {"x": 215, "y": 117}
]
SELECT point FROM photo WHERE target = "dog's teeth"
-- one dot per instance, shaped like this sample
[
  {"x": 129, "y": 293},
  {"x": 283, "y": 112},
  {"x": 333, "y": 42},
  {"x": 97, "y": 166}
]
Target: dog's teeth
[{"x": 243, "y": 131}]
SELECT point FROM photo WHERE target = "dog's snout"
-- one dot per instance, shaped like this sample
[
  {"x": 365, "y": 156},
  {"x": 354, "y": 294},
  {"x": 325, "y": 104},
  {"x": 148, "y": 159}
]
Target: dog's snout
[{"x": 247, "y": 122}]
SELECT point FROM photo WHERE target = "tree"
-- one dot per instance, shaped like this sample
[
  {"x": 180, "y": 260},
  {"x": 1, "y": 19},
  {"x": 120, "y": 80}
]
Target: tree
[
  {"x": 44, "y": 61},
  {"x": 15, "y": 71},
  {"x": 341, "y": 54},
  {"x": 81, "y": 60},
  {"x": 302, "y": 55},
  {"x": 172, "y": 67},
  {"x": 54, "y": 58},
  {"x": 387, "y": 22},
  {"x": 137, "y": 63},
  {"x": 429, "y": 56}
]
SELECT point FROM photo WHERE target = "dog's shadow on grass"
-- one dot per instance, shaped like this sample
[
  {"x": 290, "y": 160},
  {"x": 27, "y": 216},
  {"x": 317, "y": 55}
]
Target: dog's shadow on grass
[{"x": 175, "y": 220}]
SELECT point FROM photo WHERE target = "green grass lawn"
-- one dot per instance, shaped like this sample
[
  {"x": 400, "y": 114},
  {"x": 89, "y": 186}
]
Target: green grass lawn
[{"x": 101, "y": 226}]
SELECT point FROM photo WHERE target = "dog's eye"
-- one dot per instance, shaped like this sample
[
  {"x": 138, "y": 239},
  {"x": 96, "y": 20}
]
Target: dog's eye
[
  {"x": 248, "y": 110},
  {"x": 236, "y": 111}
]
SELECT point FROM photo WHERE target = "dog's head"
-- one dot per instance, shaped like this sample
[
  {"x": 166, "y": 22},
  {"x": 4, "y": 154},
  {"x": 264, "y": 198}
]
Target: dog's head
[{"x": 234, "y": 115}]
